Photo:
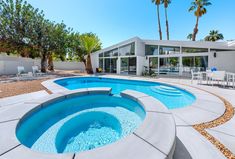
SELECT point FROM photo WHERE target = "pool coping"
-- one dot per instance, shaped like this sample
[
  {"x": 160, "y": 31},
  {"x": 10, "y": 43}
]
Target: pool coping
[
  {"x": 144, "y": 142},
  {"x": 213, "y": 110}
]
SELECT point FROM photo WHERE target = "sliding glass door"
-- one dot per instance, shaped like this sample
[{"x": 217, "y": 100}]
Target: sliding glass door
[
  {"x": 110, "y": 65},
  {"x": 113, "y": 65},
  {"x": 153, "y": 65},
  {"x": 128, "y": 65}
]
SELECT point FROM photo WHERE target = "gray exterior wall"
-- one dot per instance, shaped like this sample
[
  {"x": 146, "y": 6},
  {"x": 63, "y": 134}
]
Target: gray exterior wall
[{"x": 223, "y": 60}]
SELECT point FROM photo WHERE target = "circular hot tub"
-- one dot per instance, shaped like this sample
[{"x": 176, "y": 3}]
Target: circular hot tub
[{"x": 79, "y": 123}]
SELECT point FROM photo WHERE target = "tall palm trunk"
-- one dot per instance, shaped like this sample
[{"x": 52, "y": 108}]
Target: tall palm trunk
[
  {"x": 167, "y": 25},
  {"x": 89, "y": 69},
  {"x": 50, "y": 63},
  {"x": 195, "y": 31},
  {"x": 44, "y": 63},
  {"x": 159, "y": 22}
]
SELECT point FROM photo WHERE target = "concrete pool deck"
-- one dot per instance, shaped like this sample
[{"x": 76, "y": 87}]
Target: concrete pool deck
[
  {"x": 140, "y": 144},
  {"x": 190, "y": 143}
]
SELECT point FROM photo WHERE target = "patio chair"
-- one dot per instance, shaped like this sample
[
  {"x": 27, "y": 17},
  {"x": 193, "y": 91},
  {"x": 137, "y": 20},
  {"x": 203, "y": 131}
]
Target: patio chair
[
  {"x": 209, "y": 74},
  {"x": 21, "y": 71},
  {"x": 196, "y": 75},
  {"x": 231, "y": 79},
  {"x": 219, "y": 76},
  {"x": 36, "y": 71}
]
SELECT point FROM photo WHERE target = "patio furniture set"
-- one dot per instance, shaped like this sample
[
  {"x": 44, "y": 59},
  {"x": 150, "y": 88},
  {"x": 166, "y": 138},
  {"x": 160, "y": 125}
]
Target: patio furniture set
[
  {"x": 211, "y": 77},
  {"x": 35, "y": 72}
]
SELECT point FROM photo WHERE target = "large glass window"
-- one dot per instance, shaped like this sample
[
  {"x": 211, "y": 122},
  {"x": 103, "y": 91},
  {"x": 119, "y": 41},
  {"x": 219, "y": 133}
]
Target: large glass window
[
  {"x": 197, "y": 63},
  {"x": 153, "y": 64},
  {"x": 132, "y": 65},
  {"x": 166, "y": 50},
  {"x": 111, "y": 53},
  {"x": 220, "y": 50},
  {"x": 101, "y": 63},
  {"x": 124, "y": 65},
  {"x": 108, "y": 54},
  {"x": 169, "y": 65},
  {"x": 101, "y": 55},
  {"x": 113, "y": 65},
  {"x": 128, "y": 65},
  {"x": 107, "y": 62},
  {"x": 115, "y": 52},
  {"x": 127, "y": 50},
  {"x": 194, "y": 50},
  {"x": 151, "y": 50},
  {"x": 110, "y": 65}
]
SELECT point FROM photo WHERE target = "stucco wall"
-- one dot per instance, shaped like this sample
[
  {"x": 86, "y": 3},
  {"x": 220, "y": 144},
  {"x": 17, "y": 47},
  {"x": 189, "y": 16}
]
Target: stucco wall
[
  {"x": 223, "y": 61},
  {"x": 8, "y": 64}
]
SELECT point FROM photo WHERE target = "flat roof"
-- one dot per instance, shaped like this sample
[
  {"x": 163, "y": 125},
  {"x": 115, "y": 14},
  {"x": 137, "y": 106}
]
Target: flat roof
[{"x": 230, "y": 45}]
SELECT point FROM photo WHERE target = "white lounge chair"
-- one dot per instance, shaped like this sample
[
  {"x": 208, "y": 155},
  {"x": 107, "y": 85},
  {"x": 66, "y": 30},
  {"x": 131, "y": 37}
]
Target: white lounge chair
[
  {"x": 21, "y": 71},
  {"x": 36, "y": 71},
  {"x": 219, "y": 76},
  {"x": 197, "y": 76}
]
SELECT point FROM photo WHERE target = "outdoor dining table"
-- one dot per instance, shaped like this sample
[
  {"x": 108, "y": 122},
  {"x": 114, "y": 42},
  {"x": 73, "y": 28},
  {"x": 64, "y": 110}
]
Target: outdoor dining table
[{"x": 230, "y": 77}]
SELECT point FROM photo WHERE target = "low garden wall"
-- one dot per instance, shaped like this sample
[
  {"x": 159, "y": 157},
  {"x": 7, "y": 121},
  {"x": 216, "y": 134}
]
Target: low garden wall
[{"x": 8, "y": 64}]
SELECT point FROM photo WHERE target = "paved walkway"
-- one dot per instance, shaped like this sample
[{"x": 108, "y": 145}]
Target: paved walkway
[
  {"x": 190, "y": 143},
  {"x": 225, "y": 133}
]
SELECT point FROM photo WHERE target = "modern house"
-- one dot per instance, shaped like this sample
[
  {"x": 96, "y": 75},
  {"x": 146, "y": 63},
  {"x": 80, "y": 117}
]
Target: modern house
[{"x": 136, "y": 56}]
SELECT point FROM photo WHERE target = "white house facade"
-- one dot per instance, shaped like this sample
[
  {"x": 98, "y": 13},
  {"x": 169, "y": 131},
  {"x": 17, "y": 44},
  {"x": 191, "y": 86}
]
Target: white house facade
[{"x": 136, "y": 57}]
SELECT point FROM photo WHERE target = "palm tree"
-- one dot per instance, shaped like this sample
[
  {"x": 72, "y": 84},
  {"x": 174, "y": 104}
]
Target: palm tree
[
  {"x": 190, "y": 36},
  {"x": 214, "y": 35},
  {"x": 157, "y": 3},
  {"x": 198, "y": 6},
  {"x": 89, "y": 43},
  {"x": 166, "y": 4}
]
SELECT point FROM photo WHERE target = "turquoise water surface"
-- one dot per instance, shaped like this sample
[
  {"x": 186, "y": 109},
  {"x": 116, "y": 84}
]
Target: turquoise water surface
[
  {"x": 80, "y": 123},
  {"x": 170, "y": 96}
]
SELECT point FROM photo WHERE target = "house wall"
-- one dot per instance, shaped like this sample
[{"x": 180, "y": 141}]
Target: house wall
[
  {"x": 8, "y": 64},
  {"x": 223, "y": 61},
  {"x": 95, "y": 61}
]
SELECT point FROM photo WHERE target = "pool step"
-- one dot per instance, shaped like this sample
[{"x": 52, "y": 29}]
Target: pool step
[{"x": 165, "y": 90}]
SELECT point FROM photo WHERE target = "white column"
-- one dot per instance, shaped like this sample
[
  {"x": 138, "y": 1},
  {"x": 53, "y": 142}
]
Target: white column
[
  {"x": 181, "y": 62},
  {"x": 119, "y": 65},
  {"x": 139, "y": 65},
  {"x": 181, "y": 65}
]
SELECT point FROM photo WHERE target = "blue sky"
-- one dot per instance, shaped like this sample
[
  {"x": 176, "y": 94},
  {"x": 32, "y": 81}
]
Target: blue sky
[{"x": 115, "y": 21}]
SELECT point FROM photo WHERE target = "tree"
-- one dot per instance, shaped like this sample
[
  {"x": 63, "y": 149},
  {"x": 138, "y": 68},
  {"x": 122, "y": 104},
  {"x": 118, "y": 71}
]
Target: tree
[
  {"x": 75, "y": 51},
  {"x": 214, "y": 35},
  {"x": 166, "y": 4},
  {"x": 25, "y": 31},
  {"x": 89, "y": 43},
  {"x": 59, "y": 44},
  {"x": 198, "y": 6},
  {"x": 157, "y": 3},
  {"x": 190, "y": 36},
  {"x": 15, "y": 26}
]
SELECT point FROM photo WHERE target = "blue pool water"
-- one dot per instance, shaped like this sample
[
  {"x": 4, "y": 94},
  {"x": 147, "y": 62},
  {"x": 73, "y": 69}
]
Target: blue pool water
[
  {"x": 80, "y": 123},
  {"x": 172, "y": 97}
]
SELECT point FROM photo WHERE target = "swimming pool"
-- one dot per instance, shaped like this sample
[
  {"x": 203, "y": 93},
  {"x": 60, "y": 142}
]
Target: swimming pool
[
  {"x": 172, "y": 97},
  {"x": 79, "y": 123}
]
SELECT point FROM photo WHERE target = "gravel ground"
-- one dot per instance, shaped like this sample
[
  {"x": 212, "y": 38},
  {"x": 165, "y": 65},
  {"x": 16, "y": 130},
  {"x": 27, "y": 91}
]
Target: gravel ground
[
  {"x": 9, "y": 86},
  {"x": 21, "y": 87}
]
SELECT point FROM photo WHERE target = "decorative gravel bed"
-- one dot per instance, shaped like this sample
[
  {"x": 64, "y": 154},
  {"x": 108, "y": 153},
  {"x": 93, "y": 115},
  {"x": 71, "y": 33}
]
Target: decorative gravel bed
[
  {"x": 229, "y": 113},
  {"x": 21, "y": 87},
  {"x": 201, "y": 128}
]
